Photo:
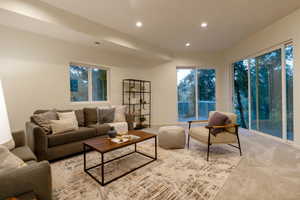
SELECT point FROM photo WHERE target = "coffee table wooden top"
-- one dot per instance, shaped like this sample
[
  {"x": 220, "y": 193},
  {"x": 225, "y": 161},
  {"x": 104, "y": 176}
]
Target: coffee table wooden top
[{"x": 104, "y": 145}]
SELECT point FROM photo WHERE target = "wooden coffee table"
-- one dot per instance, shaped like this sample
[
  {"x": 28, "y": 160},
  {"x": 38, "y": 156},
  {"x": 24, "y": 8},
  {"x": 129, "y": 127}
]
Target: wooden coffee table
[{"x": 105, "y": 145}]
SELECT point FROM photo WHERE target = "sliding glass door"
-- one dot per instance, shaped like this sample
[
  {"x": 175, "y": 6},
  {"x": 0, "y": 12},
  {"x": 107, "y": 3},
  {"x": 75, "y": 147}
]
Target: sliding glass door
[
  {"x": 263, "y": 92},
  {"x": 268, "y": 93},
  {"x": 195, "y": 93}
]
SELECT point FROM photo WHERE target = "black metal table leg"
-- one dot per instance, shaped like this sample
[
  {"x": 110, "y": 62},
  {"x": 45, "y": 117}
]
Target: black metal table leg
[
  {"x": 155, "y": 147},
  {"x": 102, "y": 167},
  {"x": 135, "y": 147},
  {"x": 84, "y": 157}
]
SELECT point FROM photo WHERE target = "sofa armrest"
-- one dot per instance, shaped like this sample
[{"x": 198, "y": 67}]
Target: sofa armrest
[
  {"x": 37, "y": 140},
  {"x": 130, "y": 121},
  {"x": 19, "y": 138},
  {"x": 32, "y": 178}
]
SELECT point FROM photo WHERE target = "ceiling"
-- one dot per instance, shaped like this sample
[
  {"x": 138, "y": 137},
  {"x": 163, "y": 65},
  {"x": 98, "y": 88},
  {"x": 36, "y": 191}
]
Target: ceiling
[{"x": 169, "y": 24}]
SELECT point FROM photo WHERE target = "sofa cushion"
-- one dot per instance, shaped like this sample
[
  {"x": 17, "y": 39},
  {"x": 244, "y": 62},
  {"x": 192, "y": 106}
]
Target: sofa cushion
[
  {"x": 101, "y": 129},
  {"x": 70, "y": 116},
  {"x": 43, "y": 120},
  {"x": 73, "y": 136},
  {"x": 24, "y": 153},
  {"x": 106, "y": 115},
  {"x": 120, "y": 113},
  {"x": 79, "y": 115},
  {"x": 8, "y": 160},
  {"x": 62, "y": 126},
  {"x": 91, "y": 116}
]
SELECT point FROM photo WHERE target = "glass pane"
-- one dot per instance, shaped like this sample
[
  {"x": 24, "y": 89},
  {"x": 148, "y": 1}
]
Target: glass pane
[
  {"x": 206, "y": 92},
  {"x": 78, "y": 83},
  {"x": 253, "y": 90},
  {"x": 99, "y": 80},
  {"x": 269, "y": 95},
  {"x": 240, "y": 98},
  {"x": 289, "y": 59},
  {"x": 186, "y": 94}
]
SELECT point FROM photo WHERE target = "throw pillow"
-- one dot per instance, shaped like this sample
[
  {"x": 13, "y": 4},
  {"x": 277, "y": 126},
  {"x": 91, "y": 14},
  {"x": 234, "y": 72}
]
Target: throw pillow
[
  {"x": 80, "y": 117},
  {"x": 61, "y": 126},
  {"x": 69, "y": 116},
  {"x": 218, "y": 119},
  {"x": 43, "y": 120},
  {"x": 106, "y": 115},
  {"x": 120, "y": 113},
  {"x": 90, "y": 115},
  {"x": 9, "y": 161}
]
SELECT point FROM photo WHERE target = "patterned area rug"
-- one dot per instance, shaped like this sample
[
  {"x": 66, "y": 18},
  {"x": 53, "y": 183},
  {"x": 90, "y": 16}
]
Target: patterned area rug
[{"x": 177, "y": 174}]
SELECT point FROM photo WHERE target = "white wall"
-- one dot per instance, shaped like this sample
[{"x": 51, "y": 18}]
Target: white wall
[
  {"x": 280, "y": 31},
  {"x": 164, "y": 82},
  {"x": 34, "y": 70}
]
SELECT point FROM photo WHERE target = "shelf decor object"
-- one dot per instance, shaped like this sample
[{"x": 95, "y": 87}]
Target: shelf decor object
[{"x": 137, "y": 97}]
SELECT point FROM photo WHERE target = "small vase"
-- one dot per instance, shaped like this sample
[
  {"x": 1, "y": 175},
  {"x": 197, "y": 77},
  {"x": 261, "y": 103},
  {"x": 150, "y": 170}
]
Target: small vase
[{"x": 112, "y": 133}]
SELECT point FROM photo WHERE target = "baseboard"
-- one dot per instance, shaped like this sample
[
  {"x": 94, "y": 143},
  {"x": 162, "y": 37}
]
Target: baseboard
[{"x": 290, "y": 143}]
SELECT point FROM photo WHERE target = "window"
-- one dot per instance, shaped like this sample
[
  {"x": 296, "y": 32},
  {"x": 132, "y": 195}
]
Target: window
[
  {"x": 195, "y": 93},
  {"x": 263, "y": 92},
  {"x": 88, "y": 83}
]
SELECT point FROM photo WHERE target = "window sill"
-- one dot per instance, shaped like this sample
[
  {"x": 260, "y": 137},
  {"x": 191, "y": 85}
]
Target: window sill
[{"x": 89, "y": 102}]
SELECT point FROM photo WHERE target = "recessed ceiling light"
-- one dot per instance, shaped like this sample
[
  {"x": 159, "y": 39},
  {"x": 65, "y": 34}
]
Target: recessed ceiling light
[
  {"x": 97, "y": 43},
  {"x": 204, "y": 24},
  {"x": 139, "y": 24},
  {"x": 187, "y": 44}
]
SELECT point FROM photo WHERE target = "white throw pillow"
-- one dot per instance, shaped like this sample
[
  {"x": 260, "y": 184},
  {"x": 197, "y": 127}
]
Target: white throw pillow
[
  {"x": 69, "y": 116},
  {"x": 120, "y": 113},
  {"x": 9, "y": 161},
  {"x": 61, "y": 126}
]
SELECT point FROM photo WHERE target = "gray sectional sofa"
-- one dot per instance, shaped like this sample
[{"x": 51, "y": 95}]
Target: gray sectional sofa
[
  {"x": 52, "y": 147},
  {"x": 29, "y": 182}
]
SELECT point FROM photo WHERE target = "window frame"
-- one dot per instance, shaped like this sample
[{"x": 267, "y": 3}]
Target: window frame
[{"x": 90, "y": 67}]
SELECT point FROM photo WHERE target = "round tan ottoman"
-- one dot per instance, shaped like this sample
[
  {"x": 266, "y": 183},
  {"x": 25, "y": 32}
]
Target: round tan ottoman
[{"x": 171, "y": 137}]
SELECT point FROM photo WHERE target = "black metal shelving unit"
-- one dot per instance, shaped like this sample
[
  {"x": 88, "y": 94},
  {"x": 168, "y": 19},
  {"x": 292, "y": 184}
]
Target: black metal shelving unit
[{"x": 137, "y": 96}]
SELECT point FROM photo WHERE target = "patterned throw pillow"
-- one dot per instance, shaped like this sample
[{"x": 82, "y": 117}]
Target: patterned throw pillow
[
  {"x": 120, "y": 113},
  {"x": 43, "y": 120}
]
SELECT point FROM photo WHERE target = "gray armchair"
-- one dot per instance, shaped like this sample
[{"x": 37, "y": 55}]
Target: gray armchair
[
  {"x": 203, "y": 134},
  {"x": 35, "y": 178}
]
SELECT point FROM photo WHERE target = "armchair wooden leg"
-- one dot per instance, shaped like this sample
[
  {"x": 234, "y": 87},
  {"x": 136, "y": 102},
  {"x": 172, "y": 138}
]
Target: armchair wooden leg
[
  {"x": 238, "y": 138},
  {"x": 208, "y": 144},
  {"x": 188, "y": 143}
]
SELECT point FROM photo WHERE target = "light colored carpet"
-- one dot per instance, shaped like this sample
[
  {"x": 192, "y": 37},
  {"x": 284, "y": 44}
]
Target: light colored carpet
[{"x": 176, "y": 175}]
